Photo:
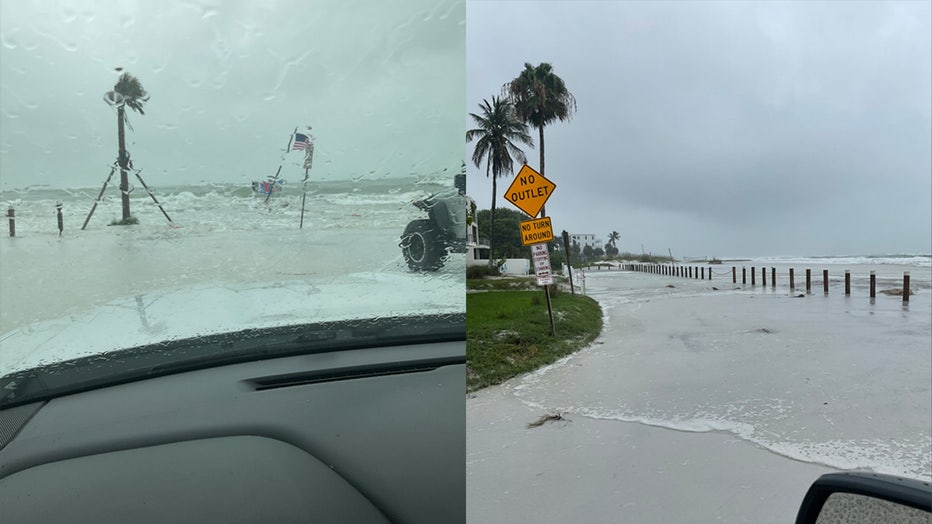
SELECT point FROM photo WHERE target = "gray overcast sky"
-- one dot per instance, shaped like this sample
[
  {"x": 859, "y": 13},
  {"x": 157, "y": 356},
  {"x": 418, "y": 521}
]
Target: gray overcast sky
[
  {"x": 382, "y": 84},
  {"x": 726, "y": 128}
]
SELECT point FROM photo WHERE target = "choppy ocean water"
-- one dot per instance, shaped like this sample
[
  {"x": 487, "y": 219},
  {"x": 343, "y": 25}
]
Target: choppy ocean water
[{"x": 333, "y": 204}]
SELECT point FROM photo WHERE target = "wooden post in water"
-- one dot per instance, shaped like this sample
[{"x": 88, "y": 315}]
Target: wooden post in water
[
  {"x": 690, "y": 272},
  {"x": 734, "y": 275},
  {"x": 569, "y": 265},
  {"x": 12, "y": 214},
  {"x": 808, "y": 281},
  {"x": 825, "y": 281},
  {"x": 753, "y": 277},
  {"x": 873, "y": 284},
  {"x": 792, "y": 280},
  {"x": 703, "y": 273},
  {"x": 847, "y": 282},
  {"x": 906, "y": 286},
  {"x": 744, "y": 275},
  {"x": 773, "y": 277},
  {"x": 61, "y": 222},
  {"x": 763, "y": 276}
]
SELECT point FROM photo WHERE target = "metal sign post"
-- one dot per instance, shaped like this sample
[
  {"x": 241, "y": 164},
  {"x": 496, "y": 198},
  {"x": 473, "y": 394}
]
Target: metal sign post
[
  {"x": 541, "y": 256},
  {"x": 529, "y": 191}
]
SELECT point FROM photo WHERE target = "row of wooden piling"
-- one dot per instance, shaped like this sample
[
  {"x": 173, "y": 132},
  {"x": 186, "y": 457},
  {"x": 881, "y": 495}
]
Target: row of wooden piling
[{"x": 699, "y": 272}]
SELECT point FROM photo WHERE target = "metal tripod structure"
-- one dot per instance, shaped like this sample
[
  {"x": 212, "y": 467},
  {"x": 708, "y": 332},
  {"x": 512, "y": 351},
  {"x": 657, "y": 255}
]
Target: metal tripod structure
[{"x": 100, "y": 195}]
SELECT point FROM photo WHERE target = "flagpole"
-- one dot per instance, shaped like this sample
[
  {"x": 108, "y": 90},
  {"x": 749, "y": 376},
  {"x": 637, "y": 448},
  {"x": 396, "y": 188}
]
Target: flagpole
[
  {"x": 309, "y": 158},
  {"x": 303, "y": 197},
  {"x": 290, "y": 138}
]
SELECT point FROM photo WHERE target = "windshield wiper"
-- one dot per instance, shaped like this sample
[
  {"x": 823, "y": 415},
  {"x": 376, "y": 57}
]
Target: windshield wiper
[{"x": 177, "y": 356}]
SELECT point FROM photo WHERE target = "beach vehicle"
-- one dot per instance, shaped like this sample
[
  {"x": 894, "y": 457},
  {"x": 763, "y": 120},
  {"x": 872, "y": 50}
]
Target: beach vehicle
[{"x": 426, "y": 242}]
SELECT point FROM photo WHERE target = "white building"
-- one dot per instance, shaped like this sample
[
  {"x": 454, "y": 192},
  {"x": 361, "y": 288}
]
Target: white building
[
  {"x": 477, "y": 249},
  {"x": 585, "y": 240}
]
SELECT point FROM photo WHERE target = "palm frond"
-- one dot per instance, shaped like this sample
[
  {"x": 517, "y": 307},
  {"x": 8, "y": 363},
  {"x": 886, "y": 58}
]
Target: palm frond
[
  {"x": 133, "y": 93},
  {"x": 539, "y": 96},
  {"x": 497, "y": 132}
]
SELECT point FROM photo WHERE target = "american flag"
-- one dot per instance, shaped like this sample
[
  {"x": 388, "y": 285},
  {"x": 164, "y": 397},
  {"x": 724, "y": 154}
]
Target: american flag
[{"x": 300, "y": 142}]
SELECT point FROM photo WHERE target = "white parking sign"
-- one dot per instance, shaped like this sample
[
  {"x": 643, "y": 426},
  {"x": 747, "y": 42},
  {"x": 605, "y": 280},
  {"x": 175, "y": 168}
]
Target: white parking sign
[{"x": 541, "y": 256}]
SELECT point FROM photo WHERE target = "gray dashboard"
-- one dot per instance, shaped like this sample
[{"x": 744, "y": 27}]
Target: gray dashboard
[{"x": 369, "y": 435}]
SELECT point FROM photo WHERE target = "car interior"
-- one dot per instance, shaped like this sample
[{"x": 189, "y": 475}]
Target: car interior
[{"x": 371, "y": 433}]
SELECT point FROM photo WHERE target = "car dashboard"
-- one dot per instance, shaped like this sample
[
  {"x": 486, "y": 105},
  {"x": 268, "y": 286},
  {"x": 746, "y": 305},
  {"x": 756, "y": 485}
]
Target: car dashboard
[{"x": 360, "y": 435}]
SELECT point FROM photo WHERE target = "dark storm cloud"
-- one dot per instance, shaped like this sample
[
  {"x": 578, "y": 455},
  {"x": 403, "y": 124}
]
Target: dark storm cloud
[{"x": 228, "y": 83}]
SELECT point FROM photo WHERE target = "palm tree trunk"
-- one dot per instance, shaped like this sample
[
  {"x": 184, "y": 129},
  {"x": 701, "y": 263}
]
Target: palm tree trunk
[
  {"x": 122, "y": 159},
  {"x": 543, "y": 211},
  {"x": 492, "y": 221}
]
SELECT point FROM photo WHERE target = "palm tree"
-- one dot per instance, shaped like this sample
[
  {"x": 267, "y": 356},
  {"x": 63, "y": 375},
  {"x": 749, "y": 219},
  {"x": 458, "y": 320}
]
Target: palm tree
[
  {"x": 540, "y": 98},
  {"x": 612, "y": 237},
  {"x": 498, "y": 130},
  {"x": 128, "y": 91}
]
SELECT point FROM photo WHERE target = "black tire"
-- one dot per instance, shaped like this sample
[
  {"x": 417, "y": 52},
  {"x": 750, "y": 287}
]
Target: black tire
[{"x": 422, "y": 247}]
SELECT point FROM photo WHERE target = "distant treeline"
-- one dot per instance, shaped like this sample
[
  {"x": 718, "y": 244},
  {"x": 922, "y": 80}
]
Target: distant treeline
[{"x": 506, "y": 242}]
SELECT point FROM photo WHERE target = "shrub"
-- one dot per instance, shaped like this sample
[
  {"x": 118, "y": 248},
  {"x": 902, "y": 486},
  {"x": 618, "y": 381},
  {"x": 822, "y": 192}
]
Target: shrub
[
  {"x": 478, "y": 272},
  {"x": 130, "y": 221}
]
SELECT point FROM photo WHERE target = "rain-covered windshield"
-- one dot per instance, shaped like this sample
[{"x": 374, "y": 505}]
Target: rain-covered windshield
[{"x": 179, "y": 169}]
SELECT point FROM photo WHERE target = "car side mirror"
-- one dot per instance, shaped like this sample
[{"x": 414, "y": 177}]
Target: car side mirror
[
  {"x": 859, "y": 497},
  {"x": 460, "y": 182}
]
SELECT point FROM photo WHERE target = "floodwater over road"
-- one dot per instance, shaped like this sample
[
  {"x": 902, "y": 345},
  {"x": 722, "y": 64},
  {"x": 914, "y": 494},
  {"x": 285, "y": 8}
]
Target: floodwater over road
[{"x": 738, "y": 379}]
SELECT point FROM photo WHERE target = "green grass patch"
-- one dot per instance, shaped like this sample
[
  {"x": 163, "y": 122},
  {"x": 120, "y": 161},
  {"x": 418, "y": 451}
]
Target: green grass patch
[{"x": 508, "y": 332}]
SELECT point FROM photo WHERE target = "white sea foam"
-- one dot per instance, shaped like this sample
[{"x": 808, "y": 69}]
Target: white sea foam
[{"x": 918, "y": 260}]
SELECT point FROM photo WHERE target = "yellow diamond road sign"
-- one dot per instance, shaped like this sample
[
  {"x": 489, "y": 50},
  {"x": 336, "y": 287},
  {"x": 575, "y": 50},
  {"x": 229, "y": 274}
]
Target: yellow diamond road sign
[
  {"x": 529, "y": 191},
  {"x": 536, "y": 231}
]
